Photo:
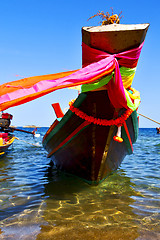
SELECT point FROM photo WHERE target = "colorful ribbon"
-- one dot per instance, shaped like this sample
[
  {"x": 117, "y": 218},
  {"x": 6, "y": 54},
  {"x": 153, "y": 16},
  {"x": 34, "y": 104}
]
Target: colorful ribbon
[{"x": 98, "y": 64}]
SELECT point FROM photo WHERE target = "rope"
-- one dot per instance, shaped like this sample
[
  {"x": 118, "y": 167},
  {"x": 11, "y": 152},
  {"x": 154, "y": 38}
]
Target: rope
[
  {"x": 36, "y": 145},
  {"x": 149, "y": 118}
]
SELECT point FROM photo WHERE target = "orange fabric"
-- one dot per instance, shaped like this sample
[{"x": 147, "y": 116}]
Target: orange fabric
[
  {"x": 30, "y": 81},
  {"x": 27, "y": 89},
  {"x": 24, "y": 83}
]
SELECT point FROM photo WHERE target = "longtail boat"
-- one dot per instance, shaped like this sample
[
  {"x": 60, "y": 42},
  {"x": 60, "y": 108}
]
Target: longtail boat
[
  {"x": 6, "y": 139},
  {"x": 101, "y": 125},
  {"x": 92, "y": 138},
  {"x": 158, "y": 129},
  {"x": 6, "y": 136}
]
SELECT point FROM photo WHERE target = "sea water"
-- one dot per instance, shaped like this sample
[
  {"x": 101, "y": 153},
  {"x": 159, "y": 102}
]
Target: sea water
[{"x": 37, "y": 203}]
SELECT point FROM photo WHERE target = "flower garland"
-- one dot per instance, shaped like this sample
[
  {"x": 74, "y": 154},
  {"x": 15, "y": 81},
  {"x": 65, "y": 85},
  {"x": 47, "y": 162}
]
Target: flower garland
[{"x": 102, "y": 122}]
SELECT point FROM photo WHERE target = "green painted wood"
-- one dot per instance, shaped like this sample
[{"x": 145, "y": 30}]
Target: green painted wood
[{"x": 65, "y": 119}]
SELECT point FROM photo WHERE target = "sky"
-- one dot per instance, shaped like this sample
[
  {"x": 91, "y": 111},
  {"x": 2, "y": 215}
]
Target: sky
[{"x": 39, "y": 37}]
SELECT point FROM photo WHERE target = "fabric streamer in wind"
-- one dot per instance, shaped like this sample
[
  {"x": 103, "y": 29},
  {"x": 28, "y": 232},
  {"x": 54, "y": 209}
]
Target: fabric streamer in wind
[{"x": 99, "y": 64}]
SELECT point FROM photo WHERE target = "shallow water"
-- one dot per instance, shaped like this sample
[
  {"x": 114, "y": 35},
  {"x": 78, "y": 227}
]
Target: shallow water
[{"x": 36, "y": 203}]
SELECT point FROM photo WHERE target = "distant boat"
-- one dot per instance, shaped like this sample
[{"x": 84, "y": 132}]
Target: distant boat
[
  {"x": 101, "y": 125},
  {"x": 6, "y": 136},
  {"x": 158, "y": 129},
  {"x": 6, "y": 139}
]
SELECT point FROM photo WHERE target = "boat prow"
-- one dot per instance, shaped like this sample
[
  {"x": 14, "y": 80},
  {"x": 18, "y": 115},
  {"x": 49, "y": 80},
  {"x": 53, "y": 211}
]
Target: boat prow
[
  {"x": 99, "y": 129},
  {"x": 115, "y": 38}
]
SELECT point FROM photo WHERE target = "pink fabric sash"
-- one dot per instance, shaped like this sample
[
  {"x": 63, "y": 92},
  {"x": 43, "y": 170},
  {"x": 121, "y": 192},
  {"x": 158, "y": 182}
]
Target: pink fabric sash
[
  {"x": 115, "y": 86},
  {"x": 98, "y": 63}
]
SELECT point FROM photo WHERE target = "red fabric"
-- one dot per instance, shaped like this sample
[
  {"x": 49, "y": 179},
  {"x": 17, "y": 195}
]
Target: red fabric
[
  {"x": 3, "y": 135},
  {"x": 6, "y": 116},
  {"x": 126, "y": 59}
]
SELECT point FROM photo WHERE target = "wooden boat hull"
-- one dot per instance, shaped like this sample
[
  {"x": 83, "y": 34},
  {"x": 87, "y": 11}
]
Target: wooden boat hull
[
  {"x": 89, "y": 151},
  {"x": 4, "y": 146}
]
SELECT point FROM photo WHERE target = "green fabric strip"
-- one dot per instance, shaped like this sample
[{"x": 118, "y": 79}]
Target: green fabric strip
[
  {"x": 127, "y": 71},
  {"x": 93, "y": 86},
  {"x": 124, "y": 72},
  {"x": 130, "y": 104}
]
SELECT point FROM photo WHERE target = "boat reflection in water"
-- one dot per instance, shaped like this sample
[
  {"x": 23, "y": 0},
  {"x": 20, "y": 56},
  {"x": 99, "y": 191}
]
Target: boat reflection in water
[{"x": 75, "y": 210}]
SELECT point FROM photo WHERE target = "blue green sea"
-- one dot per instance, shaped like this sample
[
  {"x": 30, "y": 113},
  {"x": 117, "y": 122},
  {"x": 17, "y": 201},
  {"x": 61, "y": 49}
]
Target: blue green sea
[{"x": 37, "y": 203}]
